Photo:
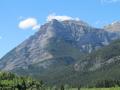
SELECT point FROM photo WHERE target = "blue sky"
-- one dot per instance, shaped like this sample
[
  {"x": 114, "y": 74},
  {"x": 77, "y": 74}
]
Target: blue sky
[{"x": 12, "y": 12}]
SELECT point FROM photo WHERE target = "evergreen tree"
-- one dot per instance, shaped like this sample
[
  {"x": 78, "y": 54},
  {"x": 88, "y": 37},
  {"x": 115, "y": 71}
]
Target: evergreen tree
[{"x": 62, "y": 87}]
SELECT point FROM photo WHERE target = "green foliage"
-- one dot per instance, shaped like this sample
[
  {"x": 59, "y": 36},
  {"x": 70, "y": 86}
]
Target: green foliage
[{"x": 9, "y": 80}]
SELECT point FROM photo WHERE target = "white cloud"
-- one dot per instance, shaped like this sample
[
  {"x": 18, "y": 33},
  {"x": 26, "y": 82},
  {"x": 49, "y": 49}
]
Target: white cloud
[
  {"x": 60, "y": 18},
  {"x": 36, "y": 27},
  {"x": 109, "y": 1},
  {"x": 29, "y": 23}
]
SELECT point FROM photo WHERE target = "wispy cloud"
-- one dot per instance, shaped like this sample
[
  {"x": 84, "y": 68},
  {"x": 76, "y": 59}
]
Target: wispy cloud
[
  {"x": 97, "y": 22},
  {"x": 60, "y": 18},
  {"x": 0, "y": 37},
  {"x": 29, "y": 23},
  {"x": 109, "y": 1},
  {"x": 36, "y": 27},
  {"x": 20, "y": 17},
  {"x": 100, "y": 23}
]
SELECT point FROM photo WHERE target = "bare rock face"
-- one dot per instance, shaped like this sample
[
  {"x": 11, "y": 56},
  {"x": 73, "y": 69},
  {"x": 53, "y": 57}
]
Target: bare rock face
[
  {"x": 114, "y": 27},
  {"x": 56, "y": 43}
]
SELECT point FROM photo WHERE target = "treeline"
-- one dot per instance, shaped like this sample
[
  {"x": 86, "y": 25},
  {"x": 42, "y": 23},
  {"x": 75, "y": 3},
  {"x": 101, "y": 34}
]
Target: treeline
[
  {"x": 9, "y": 81},
  {"x": 107, "y": 83}
]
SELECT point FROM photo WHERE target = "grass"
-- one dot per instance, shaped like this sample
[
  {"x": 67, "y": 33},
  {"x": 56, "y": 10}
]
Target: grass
[{"x": 113, "y": 88}]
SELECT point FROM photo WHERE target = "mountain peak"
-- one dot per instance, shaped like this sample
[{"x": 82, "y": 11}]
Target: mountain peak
[
  {"x": 71, "y": 21},
  {"x": 54, "y": 22},
  {"x": 116, "y": 22},
  {"x": 113, "y": 27},
  {"x": 56, "y": 40},
  {"x": 80, "y": 22}
]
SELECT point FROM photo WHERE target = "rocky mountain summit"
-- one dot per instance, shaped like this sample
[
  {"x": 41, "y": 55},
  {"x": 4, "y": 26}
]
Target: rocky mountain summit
[{"x": 114, "y": 27}]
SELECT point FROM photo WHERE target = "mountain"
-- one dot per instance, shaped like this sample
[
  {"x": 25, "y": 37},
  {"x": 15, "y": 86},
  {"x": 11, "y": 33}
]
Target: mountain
[
  {"x": 114, "y": 27},
  {"x": 57, "y": 47},
  {"x": 100, "y": 65}
]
